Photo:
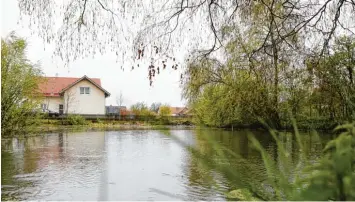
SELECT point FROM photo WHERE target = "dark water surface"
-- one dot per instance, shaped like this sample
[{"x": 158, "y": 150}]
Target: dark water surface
[{"x": 126, "y": 165}]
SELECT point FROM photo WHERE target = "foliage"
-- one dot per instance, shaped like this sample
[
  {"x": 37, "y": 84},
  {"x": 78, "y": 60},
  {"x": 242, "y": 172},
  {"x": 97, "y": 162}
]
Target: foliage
[
  {"x": 160, "y": 29},
  {"x": 20, "y": 98},
  {"x": 315, "y": 123},
  {"x": 242, "y": 195},
  {"x": 331, "y": 177},
  {"x": 240, "y": 91},
  {"x": 99, "y": 120},
  {"x": 141, "y": 110},
  {"x": 227, "y": 96},
  {"x": 334, "y": 75},
  {"x": 138, "y": 107},
  {"x": 155, "y": 107},
  {"x": 164, "y": 110},
  {"x": 75, "y": 120},
  {"x": 334, "y": 174},
  {"x": 164, "y": 114}
]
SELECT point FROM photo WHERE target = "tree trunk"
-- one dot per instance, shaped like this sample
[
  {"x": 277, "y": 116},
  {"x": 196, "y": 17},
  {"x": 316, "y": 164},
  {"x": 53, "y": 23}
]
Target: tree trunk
[
  {"x": 350, "y": 70},
  {"x": 275, "y": 115}
]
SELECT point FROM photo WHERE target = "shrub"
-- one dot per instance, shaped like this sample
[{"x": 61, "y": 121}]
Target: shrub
[
  {"x": 76, "y": 120},
  {"x": 99, "y": 120},
  {"x": 164, "y": 114},
  {"x": 19, "y": 88},
  {"x": 164, "y": 111}
]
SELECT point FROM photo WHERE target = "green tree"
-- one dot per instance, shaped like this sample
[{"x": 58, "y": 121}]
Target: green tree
[
  {"x": 155, "y": 107},
  {"x": 227, "y": 95},
  {"x": 138, "y": 108},
  {"x": 334, "y": 90},
  {"x": 141, "y": 110},
  {"x": 164, "y": 111},
  {"x": 164, "y": 114},
  {"x": 19, "y": 87},
  {"x": 241, "y": 90}
]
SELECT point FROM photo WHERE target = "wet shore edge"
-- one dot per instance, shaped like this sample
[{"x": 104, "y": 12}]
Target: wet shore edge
[{"x": 45, "y": 129}]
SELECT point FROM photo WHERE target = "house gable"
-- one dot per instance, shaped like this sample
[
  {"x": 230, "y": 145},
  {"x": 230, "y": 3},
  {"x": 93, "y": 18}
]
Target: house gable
[
  {"x": 76, "y": 102},
  {"x": 52, "y": 86},
  {"x": 176, "y": 110},
  {"x": 107, "y": 94}
]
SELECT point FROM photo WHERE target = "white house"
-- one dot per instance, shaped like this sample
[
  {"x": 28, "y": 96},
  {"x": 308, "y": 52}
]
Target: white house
[{"x": 66, "y": 95}]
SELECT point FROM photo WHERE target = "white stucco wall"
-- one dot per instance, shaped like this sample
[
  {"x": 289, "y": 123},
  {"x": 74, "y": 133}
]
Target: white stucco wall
[
  {"x": 93, "y": 103},
  {"x": 53, "y": 103}
]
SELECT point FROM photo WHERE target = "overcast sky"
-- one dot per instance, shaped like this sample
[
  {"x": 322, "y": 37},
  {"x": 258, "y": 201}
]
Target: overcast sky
[{"x": 133, "y": 84}]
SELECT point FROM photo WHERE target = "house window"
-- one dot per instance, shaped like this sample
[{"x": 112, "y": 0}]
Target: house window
[
  {"x": 84, "y": 90},
  {"x": 87, "y": 90}
]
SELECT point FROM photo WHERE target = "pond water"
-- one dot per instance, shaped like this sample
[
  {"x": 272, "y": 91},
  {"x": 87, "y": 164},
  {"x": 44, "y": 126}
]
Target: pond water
[{"x": 127, "y": 165}]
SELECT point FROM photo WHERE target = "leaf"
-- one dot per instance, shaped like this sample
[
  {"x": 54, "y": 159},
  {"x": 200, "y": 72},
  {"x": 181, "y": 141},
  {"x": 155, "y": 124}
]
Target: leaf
[{"x": 241, "y": 195}]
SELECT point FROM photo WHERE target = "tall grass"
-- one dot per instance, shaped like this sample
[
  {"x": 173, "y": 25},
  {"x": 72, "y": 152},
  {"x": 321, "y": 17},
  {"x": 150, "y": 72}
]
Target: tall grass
[{"x": 331, "y": 177}]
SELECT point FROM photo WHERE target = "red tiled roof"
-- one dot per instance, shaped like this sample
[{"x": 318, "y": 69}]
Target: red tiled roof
[
  {"x": 125, "y": 112},
  {"x": 53, "y": 85},
  {"x": 177, "y": 110},
  {"x": 185, "y": 111}
]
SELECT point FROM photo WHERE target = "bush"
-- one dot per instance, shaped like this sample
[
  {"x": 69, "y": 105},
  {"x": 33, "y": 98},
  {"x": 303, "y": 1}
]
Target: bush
[
  {"x": 164, "y": 120},
  {"x": 20, "y": 81},
  {"x": 317, "y": 123},
  {"x": 99, "y": 120},
  {"x": 76, "y": 120}
]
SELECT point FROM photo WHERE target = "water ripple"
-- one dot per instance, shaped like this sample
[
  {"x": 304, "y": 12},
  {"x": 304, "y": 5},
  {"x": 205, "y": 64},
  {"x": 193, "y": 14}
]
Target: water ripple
[{"x": 117, "y": 165}]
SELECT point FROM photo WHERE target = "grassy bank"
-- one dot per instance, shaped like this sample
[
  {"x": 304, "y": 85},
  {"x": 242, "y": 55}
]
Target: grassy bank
[
  {"x": 47, "y": 128},
  {"x": 79, "y": 120},
  {"x": 79, "y": 124},
  {"x": 319, "y": 124}
]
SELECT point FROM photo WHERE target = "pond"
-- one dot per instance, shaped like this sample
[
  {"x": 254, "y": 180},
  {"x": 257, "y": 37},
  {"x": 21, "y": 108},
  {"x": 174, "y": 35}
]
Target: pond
[{"x": 127, "y": 165}]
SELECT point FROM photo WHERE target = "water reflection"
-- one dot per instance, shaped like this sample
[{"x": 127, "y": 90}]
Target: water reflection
[
  {"x": 252, "y": 170},
  {"x": 130, "y": 165}
]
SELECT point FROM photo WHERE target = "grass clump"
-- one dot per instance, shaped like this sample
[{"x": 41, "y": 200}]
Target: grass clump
[
  {"x": 75, "y": 120},
  {"x": 331, "y": 177}
]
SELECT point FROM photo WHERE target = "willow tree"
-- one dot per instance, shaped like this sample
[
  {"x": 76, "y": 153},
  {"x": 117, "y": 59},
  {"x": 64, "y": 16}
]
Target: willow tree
[
  {"x": 159, "y": 31},
  {"x": 170, "y": 34},
  {"x": 335, "y": 89}
]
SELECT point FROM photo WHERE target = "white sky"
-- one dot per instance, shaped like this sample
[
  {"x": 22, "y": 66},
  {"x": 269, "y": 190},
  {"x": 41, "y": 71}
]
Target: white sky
[{"x": 133, "y": 84}]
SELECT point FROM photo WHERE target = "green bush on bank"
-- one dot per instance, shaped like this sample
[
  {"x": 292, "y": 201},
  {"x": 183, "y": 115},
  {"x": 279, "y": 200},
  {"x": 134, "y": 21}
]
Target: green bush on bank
[
  {"x": 79, "y": 120},
  {"x": 20, "y": 81},
  {"x": 75, "y": 120},
  {"x": 316, "y": 123},
  {"x": 98, "y": 120}
]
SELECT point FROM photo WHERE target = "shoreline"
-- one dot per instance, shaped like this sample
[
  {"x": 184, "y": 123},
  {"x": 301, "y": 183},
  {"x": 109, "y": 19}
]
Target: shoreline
[
  {"x": 95, "y": 127},
  {"x": 44, "y": 129},
  {"x": 92, "y": 127}
]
